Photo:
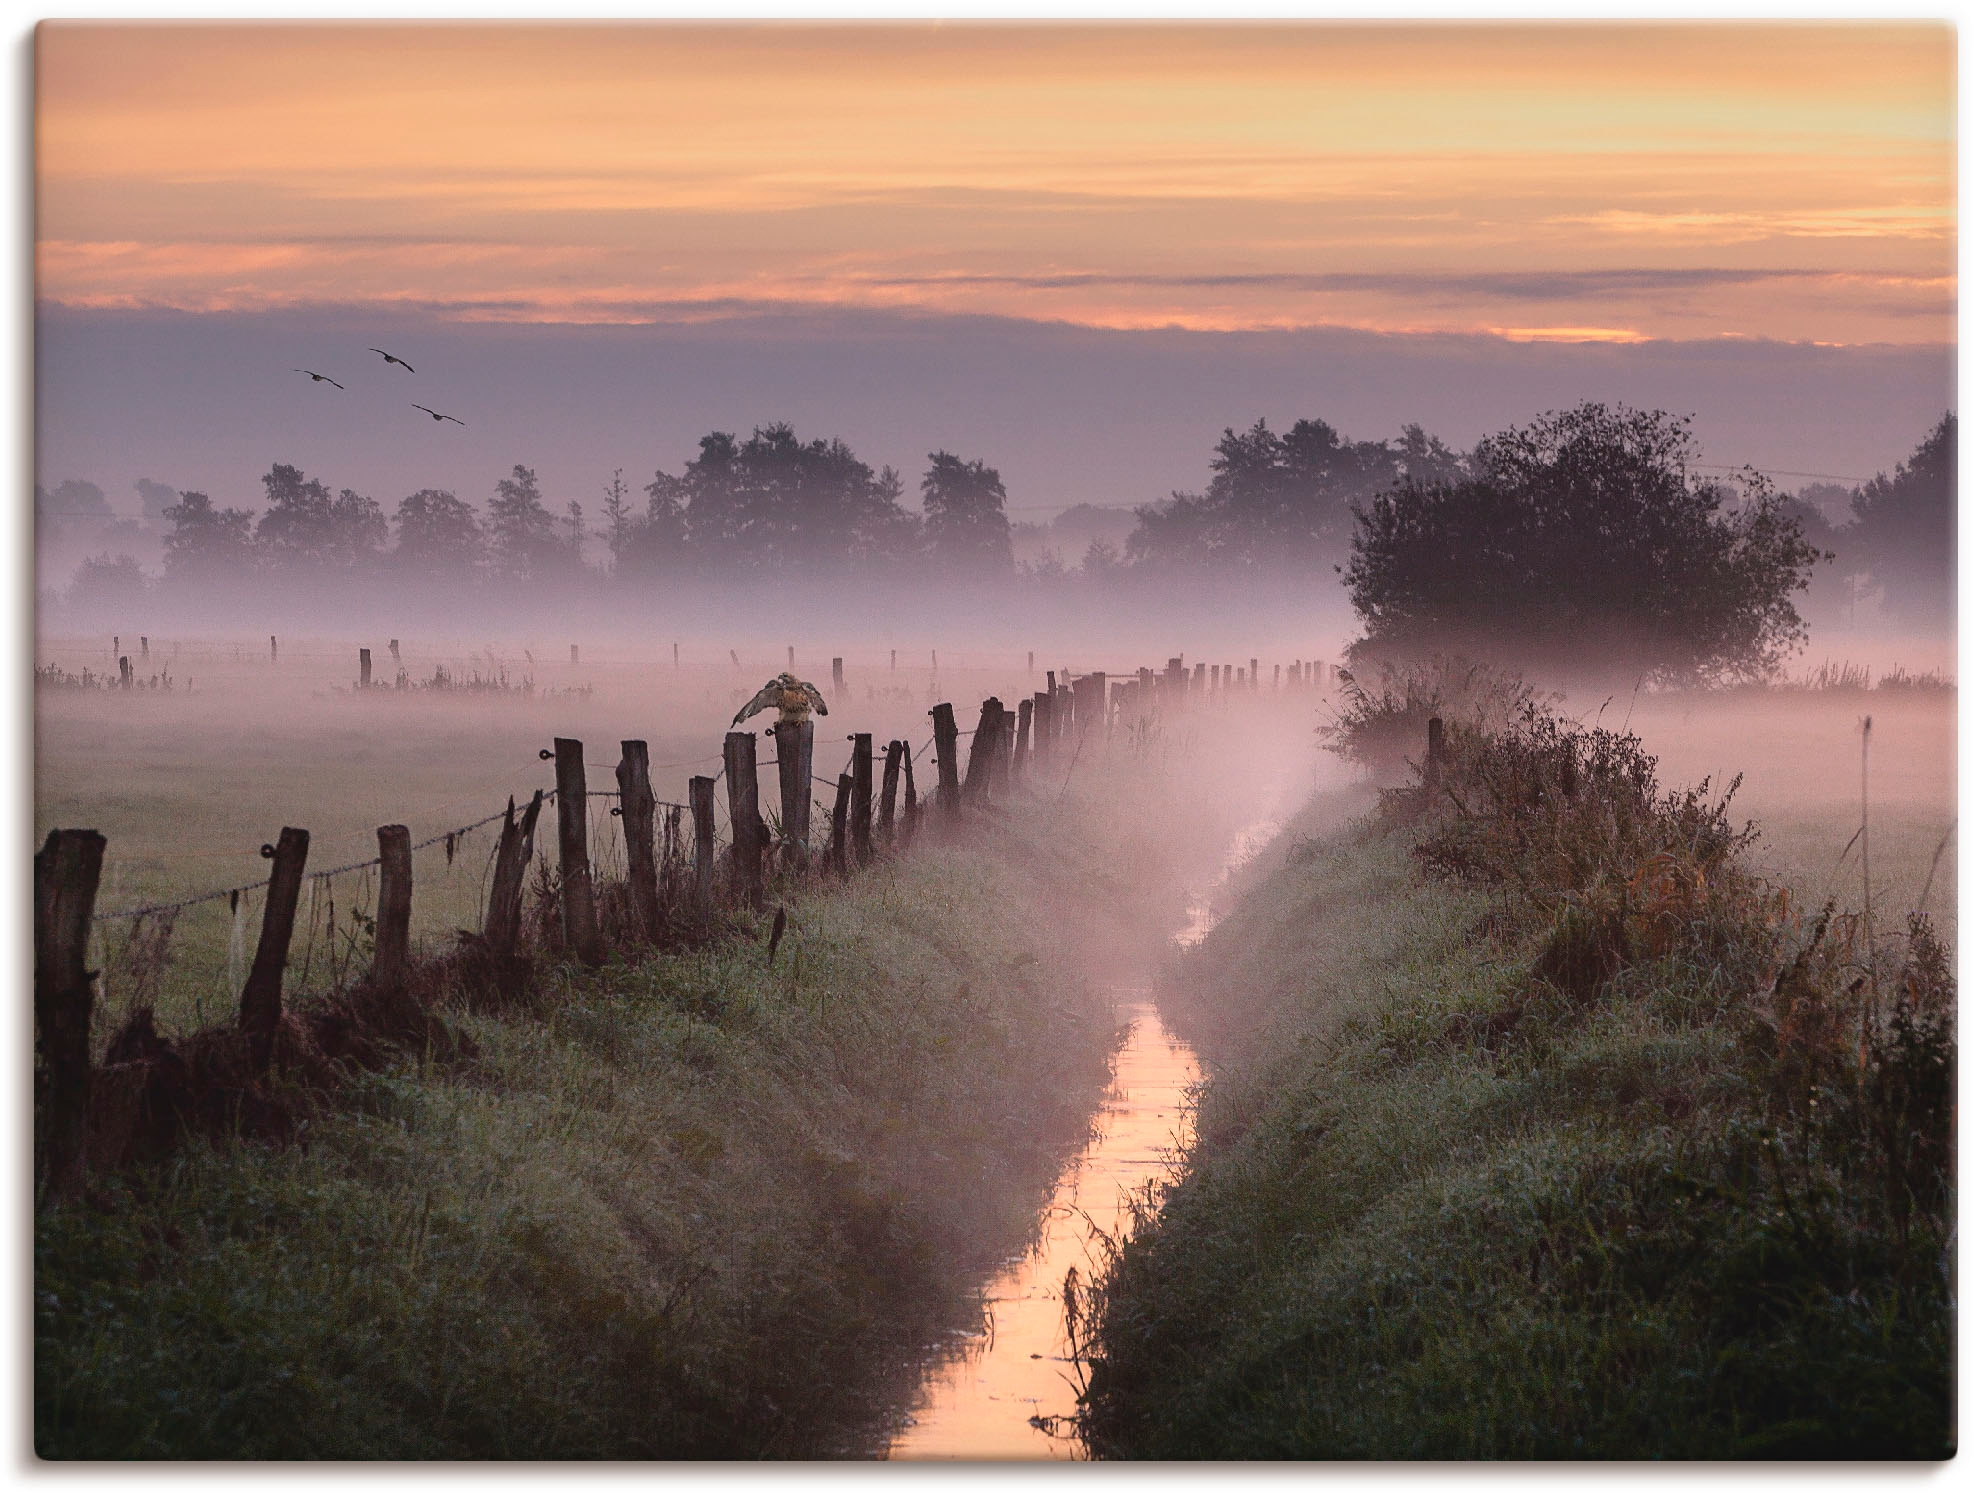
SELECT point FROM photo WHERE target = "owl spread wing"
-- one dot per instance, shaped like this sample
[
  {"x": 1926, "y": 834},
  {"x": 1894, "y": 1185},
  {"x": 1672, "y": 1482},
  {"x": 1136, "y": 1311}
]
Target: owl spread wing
[{"x": 768, "y": 698}]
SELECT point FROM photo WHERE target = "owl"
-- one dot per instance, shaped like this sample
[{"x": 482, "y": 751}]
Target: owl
[{"x": 793, "y": 697}]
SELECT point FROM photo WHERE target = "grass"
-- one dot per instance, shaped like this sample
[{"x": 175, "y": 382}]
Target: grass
[
  {"x": 693, "y": 1204},
  {"x": 1591, "y": 1144}
]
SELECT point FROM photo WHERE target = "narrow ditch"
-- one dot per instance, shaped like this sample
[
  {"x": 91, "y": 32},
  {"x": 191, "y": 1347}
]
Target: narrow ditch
[{"x": 1007, "y": 1391}]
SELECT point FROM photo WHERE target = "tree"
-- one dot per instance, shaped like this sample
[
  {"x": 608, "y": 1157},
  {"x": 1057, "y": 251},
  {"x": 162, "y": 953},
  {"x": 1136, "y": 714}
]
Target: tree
[
  {"x": 1583, "y": 541},
  {"x": 438, "y": 535},
  {"x": 521, "y": 530},
  {"x": 203, "y": 544},
  {"x": 653, "y": 543},
  {"x": 102, "y": 585},
  {"x": 1901, "y": 529},
  {"x": 357, "y": 531},
  {"x": 1279, "y": 504},
  {"x": 966, "y": 528},
  {"x": 298, "y": 526}
]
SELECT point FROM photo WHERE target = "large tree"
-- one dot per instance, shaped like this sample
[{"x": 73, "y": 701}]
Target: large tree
[
  {"x": 204, "y": 544},
  {"x": 966, "y": 526},
  {"x": 439, "y": 535},
  {"x": 1583, "y": 542},
  {"x": 521, "y": 530}
]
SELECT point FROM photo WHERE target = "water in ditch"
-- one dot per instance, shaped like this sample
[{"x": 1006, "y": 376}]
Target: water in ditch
[{"x": 1007, "y": 1391}]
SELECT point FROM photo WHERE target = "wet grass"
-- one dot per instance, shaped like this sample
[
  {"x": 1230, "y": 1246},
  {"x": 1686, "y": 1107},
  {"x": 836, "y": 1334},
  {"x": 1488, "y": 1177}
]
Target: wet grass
[
  {"x": 1542, "y": 1158},
  {"x": 691, "y": 1205}
]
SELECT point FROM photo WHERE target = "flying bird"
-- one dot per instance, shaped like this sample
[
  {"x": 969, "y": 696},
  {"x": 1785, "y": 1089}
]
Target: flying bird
[
  {"x": 437, "y": 416},
  {"x": 793, "y": 697},
  {"x": 389, "y": 359},
  {"x": 320, "y": 378}
]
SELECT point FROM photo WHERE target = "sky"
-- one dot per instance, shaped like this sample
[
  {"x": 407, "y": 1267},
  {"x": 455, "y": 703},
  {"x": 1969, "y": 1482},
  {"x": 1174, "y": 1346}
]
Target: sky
[{"x": 1475, "y": 214}]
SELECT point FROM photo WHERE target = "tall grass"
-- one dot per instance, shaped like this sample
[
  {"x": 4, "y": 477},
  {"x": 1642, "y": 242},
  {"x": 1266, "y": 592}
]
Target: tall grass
[{"x": 1540, "y": 1127}]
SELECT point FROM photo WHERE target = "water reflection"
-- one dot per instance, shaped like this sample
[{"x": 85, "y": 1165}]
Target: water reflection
[{"x": 981, "y": 1403}]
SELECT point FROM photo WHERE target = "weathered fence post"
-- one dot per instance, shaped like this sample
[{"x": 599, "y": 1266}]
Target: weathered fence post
[
  {"x": 794, "y": 752},
  {"x": 860, "y": 795},
  {"x": 144, "y": 649},
  {"x": 123, "y": 673},
  {"x": 363, "y": 668},
  {"x": 273, "y": 649},
  {"x": 260, "y": 1001},
  {"x": 575, "y": 656},
  {"x": 1099, "y": 694},
  {"x": 910, "y": 796},
  {"x": 1002, "y": 762},
  {"x": 894, "y": 660},
  {"x": 1023, "y": 729},
  {"x": 503, "y": 905},
  {"x": 887, "y": 804},
  {"x": 579, "y": 925},
  {"x": 791, "y": 658},
  {"x": 700, "y": 793},
  {"x": 393, "y": 950},
  {"x": 945, "y": 742},
  {"x": 743, "y": 812},
  {"x": 1044, "y": 728},
  {"x": 395, "y": 656},
  {"x": 836, "y": 675},
  {"x": 66, "y": 871},
  {"x": 979, "y": 759},
  {"x": 839, "y": 825},
  {"x": 640, "y": 832}
]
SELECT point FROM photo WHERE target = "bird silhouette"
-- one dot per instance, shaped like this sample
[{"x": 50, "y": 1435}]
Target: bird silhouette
[
  {"x": 437, "y": 416},
  {"x": 320, "y": 378},
  {"x": 388, "y": 358}
]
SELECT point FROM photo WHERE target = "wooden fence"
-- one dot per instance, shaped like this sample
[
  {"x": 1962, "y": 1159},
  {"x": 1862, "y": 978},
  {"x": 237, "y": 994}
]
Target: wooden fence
[{"x": 1007, "y": 748}]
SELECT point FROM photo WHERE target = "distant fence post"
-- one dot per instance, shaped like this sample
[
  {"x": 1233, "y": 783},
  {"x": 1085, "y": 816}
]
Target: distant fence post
[
  {"x": 839, "y": 825},
  {"x": 836, "y": 675},
  {"x": 273, "y": 649},
  {"x": 395, "y": 657},
  {"x": 794, "y": 751},
  {"x": 260, "y": 1001},
  {"x": 945, "y": 741},
  {"x": 640, "y": 832},
  {"x": 1023, "y": 726},
  {"x": 579, "y": 925},
  {"x": 144, "y": 649},
  {"x": 700, "y": 793},
  {"x": 861, "y": 768},
  {"x": 123, "y": 672},
  {"x": 743, "y": 811},
  {"x": 363, "y": 668},
  {"x": 66, "y": 871},
  {"x": 503, "y": 906},
  {"x": 887, "y": 804},
  {"x": 393, "y": 951}
]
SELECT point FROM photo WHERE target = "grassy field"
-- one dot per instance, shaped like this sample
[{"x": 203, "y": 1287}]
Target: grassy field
[
  {"x": 1478, "y": 1179},
  {"x": 691, "y": 1204}
]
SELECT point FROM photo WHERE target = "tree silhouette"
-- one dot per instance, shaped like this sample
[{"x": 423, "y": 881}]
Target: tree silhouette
[
  {"x": 1582, "y": 541},
  {"x": 206, "y": 545},
  {"x": 438, "y": 535},
  {"x": 521, "y": 530},
  {"x": 1901, "y": 532},
  {"x": 966, "y": 528},
  {"x": 294, "y": 531}
]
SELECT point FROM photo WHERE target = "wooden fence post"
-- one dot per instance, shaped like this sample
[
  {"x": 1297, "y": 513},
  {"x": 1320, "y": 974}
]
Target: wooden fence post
[
  {"x": 839, "y": 825},
  {"x": 836, "y": 675},
  {"x": 273, "y": 649},
  {"x": 861, "y": 771},
  {"x": 887, "y": 804},
  {"x": 979, "y": 758},
  {"x": 260, "y": 1001},
  {"x": 393, "y": 950},
  {"x": 794, "y": 752},
  {"x": 945, "y": 742},
  {"x": 640, "y": 832},
  {"x": 1023, "y": 738},
  {"x": 123, "y": 674},
  {"x": 395, "y": 657},
  {"x": 579, "y": 925},
  {"x": 363, "y": 668},
  {"x": 575, "y": 656},
  {"x": 1043, "y": 730},
  {"x": 503, "y": 904},
  {"x": 144, "y": 649},
  {"x": 66, "y": 871},
  {"x": 1002, "y": 762},
  {"x": 700, "y": 793},
  {"x": 910, "y": 797},
  {"x": 743, "y": 812}
]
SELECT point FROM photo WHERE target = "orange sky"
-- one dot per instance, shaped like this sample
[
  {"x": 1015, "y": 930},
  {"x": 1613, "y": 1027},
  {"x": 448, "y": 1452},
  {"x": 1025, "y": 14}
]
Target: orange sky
[{"x": 1781, "y": 181}]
